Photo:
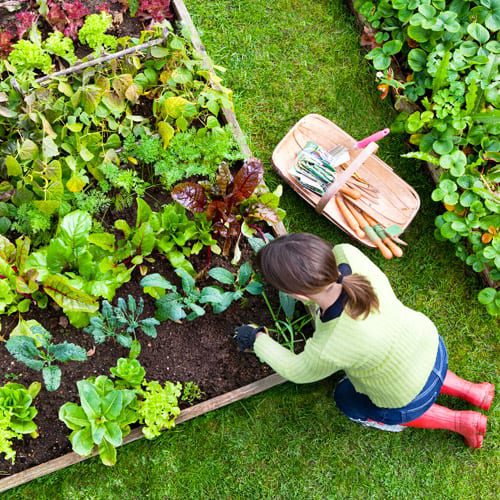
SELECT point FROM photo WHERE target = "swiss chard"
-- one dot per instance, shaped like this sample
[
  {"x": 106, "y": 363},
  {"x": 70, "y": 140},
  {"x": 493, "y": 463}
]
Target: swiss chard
[{"x": 228, "y": 202}]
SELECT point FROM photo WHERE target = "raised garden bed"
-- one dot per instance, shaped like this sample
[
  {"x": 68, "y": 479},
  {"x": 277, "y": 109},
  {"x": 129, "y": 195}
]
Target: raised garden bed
[{"x": 201, "y": 351}]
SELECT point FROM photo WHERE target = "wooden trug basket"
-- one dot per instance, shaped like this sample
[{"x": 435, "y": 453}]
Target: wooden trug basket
[{"x": 397, "y": 202}]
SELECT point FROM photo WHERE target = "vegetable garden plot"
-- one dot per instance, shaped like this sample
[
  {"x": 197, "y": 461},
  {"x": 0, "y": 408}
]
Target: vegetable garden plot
[{"x": 89, "y": 159}]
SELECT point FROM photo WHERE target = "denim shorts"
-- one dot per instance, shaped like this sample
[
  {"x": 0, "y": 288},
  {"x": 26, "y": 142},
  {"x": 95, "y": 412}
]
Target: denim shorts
[{"x": 359, "y": 406}]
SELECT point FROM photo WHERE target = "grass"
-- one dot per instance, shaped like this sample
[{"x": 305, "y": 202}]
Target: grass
[{"x": 285, "y": 59}]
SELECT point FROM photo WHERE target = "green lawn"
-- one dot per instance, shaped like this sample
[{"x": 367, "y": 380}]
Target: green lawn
[{"x": 287, "y": 58}]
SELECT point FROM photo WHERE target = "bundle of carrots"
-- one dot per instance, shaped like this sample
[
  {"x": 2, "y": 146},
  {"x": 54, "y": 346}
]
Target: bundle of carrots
[{"x": 363, "y": 225}]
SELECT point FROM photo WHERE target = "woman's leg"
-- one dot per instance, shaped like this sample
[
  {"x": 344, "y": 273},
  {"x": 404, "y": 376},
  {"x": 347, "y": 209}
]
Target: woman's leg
[
  {"x": 360, "y": 409},
  {"x": 470, "y": 424},
  {"x": 480, "y": 395}
]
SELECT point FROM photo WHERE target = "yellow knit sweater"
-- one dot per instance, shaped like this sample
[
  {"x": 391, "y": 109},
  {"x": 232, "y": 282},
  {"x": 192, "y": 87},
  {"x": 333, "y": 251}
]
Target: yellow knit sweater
[{"x": 388, "y": 356}]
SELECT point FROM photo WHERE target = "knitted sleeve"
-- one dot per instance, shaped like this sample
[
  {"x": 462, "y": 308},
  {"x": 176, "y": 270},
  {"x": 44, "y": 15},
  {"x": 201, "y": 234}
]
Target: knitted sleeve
[{"x": 308, "y": 366}]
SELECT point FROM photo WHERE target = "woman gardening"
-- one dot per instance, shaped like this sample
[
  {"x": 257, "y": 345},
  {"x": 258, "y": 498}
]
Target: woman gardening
[{"x": 396, "y": 363}]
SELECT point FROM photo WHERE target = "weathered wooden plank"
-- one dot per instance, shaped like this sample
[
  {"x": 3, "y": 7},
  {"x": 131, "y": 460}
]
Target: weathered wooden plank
[{"x": 187, "y": 414}]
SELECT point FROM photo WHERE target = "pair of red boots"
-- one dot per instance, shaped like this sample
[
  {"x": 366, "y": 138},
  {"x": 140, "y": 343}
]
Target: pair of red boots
[{"x": 470, "y": 424}]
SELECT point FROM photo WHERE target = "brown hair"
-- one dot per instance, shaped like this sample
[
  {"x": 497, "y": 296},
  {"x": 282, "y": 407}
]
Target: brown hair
[{"x": 304, "y": 264}]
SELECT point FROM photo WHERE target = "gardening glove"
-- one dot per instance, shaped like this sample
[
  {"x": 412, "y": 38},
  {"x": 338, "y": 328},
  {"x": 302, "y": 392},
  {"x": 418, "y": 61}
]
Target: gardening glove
[{"x": 245, "y": 335}]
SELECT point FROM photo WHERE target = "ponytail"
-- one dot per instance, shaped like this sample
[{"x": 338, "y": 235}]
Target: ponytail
[
  {"x": 361, "y": 297},
  {"x": 303, "y": 263}
]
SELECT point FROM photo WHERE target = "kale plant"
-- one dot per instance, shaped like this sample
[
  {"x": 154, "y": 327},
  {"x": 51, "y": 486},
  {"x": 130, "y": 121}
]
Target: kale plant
[
  {"x": 37, "y": 352},
  {"x": 121, "y": 322}
]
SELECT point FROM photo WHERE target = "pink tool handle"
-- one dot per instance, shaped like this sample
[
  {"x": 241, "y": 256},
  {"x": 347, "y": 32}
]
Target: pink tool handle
[{"x": 372, "y": 138}]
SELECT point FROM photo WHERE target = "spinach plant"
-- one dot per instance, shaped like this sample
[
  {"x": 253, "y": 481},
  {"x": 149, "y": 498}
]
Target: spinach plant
[
  {"x": 39, "y": 353},
  {"x": 16, "y": 415},
  {"x": 244, "y": 281},
  {"x": 172, "y": 303}
]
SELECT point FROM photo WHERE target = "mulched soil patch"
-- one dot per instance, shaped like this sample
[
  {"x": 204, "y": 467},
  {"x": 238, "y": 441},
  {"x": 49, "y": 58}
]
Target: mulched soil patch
[{"x": 203, "y": 351}]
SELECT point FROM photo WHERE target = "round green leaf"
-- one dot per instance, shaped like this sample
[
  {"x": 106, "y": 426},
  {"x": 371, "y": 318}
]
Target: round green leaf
[
  {"x": 443, "y": 146},
  {"x": 392, "y": 47},
  {"x": 381, "y": 61},
  {"x": 478, "y": 32},
  {"x": 417, "y": 59},
  {"x": 487, "y": 296}
]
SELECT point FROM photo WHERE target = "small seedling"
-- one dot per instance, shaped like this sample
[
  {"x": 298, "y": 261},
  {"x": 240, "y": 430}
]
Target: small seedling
[
  {"x": 191, "y": 392},
  {"x": 172, "y": 306},
  {"x": 244, "y": 281},
  {"x": 287, "y": 329},
  {"x": 121, "y": 323}
]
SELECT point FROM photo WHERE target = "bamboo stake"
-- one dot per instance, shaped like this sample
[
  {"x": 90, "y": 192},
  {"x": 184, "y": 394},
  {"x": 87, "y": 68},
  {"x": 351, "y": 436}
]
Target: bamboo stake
[{"x": 100, "y": 60}]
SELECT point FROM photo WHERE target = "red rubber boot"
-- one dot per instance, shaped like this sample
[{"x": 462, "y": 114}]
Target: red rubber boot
[
  {"x": 480, "y": 395},
  {"x": 470, "y": 424}
]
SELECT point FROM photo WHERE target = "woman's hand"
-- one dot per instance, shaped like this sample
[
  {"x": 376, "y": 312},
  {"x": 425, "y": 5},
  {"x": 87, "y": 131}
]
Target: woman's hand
[{"x": 246, "y": 335}]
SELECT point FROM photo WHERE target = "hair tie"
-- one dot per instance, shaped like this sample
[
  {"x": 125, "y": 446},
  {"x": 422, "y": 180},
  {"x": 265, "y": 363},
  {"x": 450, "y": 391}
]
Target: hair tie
[{"x": 340, "y": 278}]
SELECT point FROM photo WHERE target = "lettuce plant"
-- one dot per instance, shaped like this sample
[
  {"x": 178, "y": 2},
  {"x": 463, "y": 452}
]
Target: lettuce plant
[
  {"x": 93, "y": 32},
  {"x": 158, "y": 407},
  {"x": 102, "y": 419},
  {"x": 37, "y": 352},
  {"x": 27, "y": 56},
  {"x": 16, "y": 415}
]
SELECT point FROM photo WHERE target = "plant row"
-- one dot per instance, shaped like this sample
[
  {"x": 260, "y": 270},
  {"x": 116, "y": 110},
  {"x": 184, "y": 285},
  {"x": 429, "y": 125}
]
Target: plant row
[{"x": 443, "y": 56}]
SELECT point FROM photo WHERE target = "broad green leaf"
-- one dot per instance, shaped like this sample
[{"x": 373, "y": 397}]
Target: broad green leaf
[
  {"x": 478, "y": 32},
  {"x": 222, "y": 275},
  {"x": 28, "y": 150},
  {"x": 113, "y": 433},
  {"x": 112, "y": 405},
  {"x": 75, "y": 228},
  {"x": 90, "y": 399},
  {"x": 82, "y": 441},
  {"x": 49, "y": 148},
  {"x": 255, "y": 288},
  {"x": 244, "y": 274},
  {"x": 211, "y": 295},
  {"x": 487, "y": 296},
  {"x": 13, "y": 166},
  {"x": 106, "y": 241},
  {"x": 157, "y": 281},
  {"x": 52, "y": 377},
  {"x": 107, "y": 452},
  {"x": 166, "y": 132},
  {"x": 73, "y": 416},
  {"x": 159, "y": 52},
  {"x": 68, "y": 297}
]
